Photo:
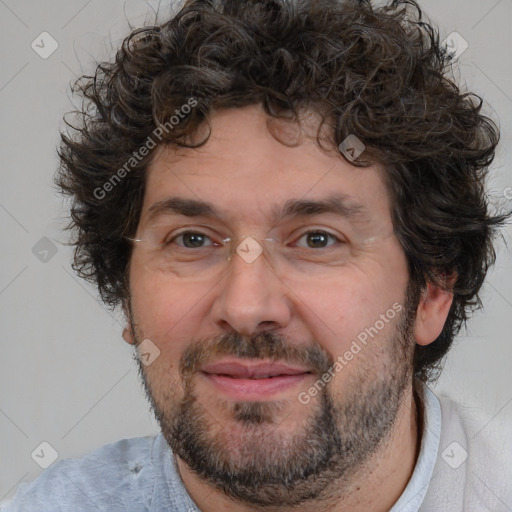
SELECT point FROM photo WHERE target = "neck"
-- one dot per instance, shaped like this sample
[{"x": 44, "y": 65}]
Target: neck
[{"x": 376, "y": 486}]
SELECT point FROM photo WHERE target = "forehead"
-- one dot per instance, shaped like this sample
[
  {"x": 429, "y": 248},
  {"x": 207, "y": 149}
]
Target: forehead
[{"x": 244, "y": 173}]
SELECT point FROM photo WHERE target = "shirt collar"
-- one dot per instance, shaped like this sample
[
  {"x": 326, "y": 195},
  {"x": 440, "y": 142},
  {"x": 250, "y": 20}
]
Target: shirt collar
[{"x": 416, "y": 489}]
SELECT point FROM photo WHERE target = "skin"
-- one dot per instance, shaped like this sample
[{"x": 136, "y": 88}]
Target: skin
[{"x": 243, "y": 170}]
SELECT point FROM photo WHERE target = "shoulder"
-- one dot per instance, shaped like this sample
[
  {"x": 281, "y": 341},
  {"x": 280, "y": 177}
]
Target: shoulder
[
  {"x": 472, "y": 470},
  {"x": 96, "y": 481}
]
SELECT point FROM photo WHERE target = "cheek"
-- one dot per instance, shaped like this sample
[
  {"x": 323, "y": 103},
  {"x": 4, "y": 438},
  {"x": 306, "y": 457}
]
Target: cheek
[
  {"x": 353, "y": 308},
  {"x": 165, "y": 312}
]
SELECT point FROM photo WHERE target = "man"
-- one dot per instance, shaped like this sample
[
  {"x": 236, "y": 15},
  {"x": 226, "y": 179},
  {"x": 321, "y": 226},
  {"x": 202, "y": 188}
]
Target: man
[{"x": 287, "y": 199}]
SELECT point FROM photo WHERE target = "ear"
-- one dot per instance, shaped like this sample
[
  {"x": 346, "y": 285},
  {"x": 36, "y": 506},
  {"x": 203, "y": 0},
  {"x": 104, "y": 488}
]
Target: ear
[
  {"x": 127, "y": 331},
  {"x": 432, "y": 312},
  {"x": 127, "y": 336}
]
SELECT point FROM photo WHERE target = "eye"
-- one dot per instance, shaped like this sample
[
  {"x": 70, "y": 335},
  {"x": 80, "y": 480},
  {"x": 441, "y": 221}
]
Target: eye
[
  {"x": 191, "y": 240},
  {"x": 318, "y": 239}
]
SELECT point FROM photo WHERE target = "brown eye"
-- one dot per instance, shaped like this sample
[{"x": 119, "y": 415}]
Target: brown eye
[{"x": 318, "y": 239}]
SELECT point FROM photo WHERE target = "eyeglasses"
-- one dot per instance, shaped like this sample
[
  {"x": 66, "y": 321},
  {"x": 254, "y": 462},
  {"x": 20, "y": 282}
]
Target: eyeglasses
[{"x": 200, "y": 253}]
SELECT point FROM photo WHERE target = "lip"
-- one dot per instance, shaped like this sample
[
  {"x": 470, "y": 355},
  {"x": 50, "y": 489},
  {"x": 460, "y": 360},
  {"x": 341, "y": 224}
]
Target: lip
[{"x": 254, "y": 380}]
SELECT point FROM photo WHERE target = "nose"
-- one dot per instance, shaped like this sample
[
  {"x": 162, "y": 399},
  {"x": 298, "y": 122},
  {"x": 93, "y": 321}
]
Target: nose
[{"x": 251, "y": 297}]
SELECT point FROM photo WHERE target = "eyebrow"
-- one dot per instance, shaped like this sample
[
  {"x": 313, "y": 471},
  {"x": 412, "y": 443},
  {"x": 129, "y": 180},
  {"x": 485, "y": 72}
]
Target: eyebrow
[{"x": 338, "y": 204}]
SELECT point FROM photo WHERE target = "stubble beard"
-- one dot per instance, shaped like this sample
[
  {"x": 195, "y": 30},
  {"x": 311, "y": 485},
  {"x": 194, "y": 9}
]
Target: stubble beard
[{"x": 248, "y": 458}]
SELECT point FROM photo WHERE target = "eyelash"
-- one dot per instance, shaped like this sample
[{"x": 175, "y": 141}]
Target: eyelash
[{"x": 315, "y": 231}]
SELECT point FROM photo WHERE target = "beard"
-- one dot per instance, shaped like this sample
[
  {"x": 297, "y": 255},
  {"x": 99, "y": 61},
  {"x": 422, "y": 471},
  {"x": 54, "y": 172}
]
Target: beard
[{"x": 247, "y": 456}]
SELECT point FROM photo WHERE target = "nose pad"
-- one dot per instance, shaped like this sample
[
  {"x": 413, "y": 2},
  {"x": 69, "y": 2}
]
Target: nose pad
[{"x": 250, "y": 249}]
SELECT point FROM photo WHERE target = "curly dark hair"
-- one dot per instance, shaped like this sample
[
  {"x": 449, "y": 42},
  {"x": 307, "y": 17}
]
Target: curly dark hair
[{"x": 377, "y": 72}]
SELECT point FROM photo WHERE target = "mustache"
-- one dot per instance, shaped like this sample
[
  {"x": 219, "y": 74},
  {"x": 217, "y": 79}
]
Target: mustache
[{"x": 264, "y": 346}]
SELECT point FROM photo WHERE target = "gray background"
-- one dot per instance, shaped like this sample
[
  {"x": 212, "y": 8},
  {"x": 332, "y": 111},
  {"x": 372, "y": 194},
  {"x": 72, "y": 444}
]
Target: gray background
[{"x": 66, "y": 376}]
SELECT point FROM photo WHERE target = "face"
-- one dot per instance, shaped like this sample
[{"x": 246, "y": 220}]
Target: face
[{"x": 271, "y": 291}]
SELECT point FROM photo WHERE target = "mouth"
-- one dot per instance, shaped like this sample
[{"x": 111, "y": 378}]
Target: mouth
[{"x": 253, "y": 380}]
